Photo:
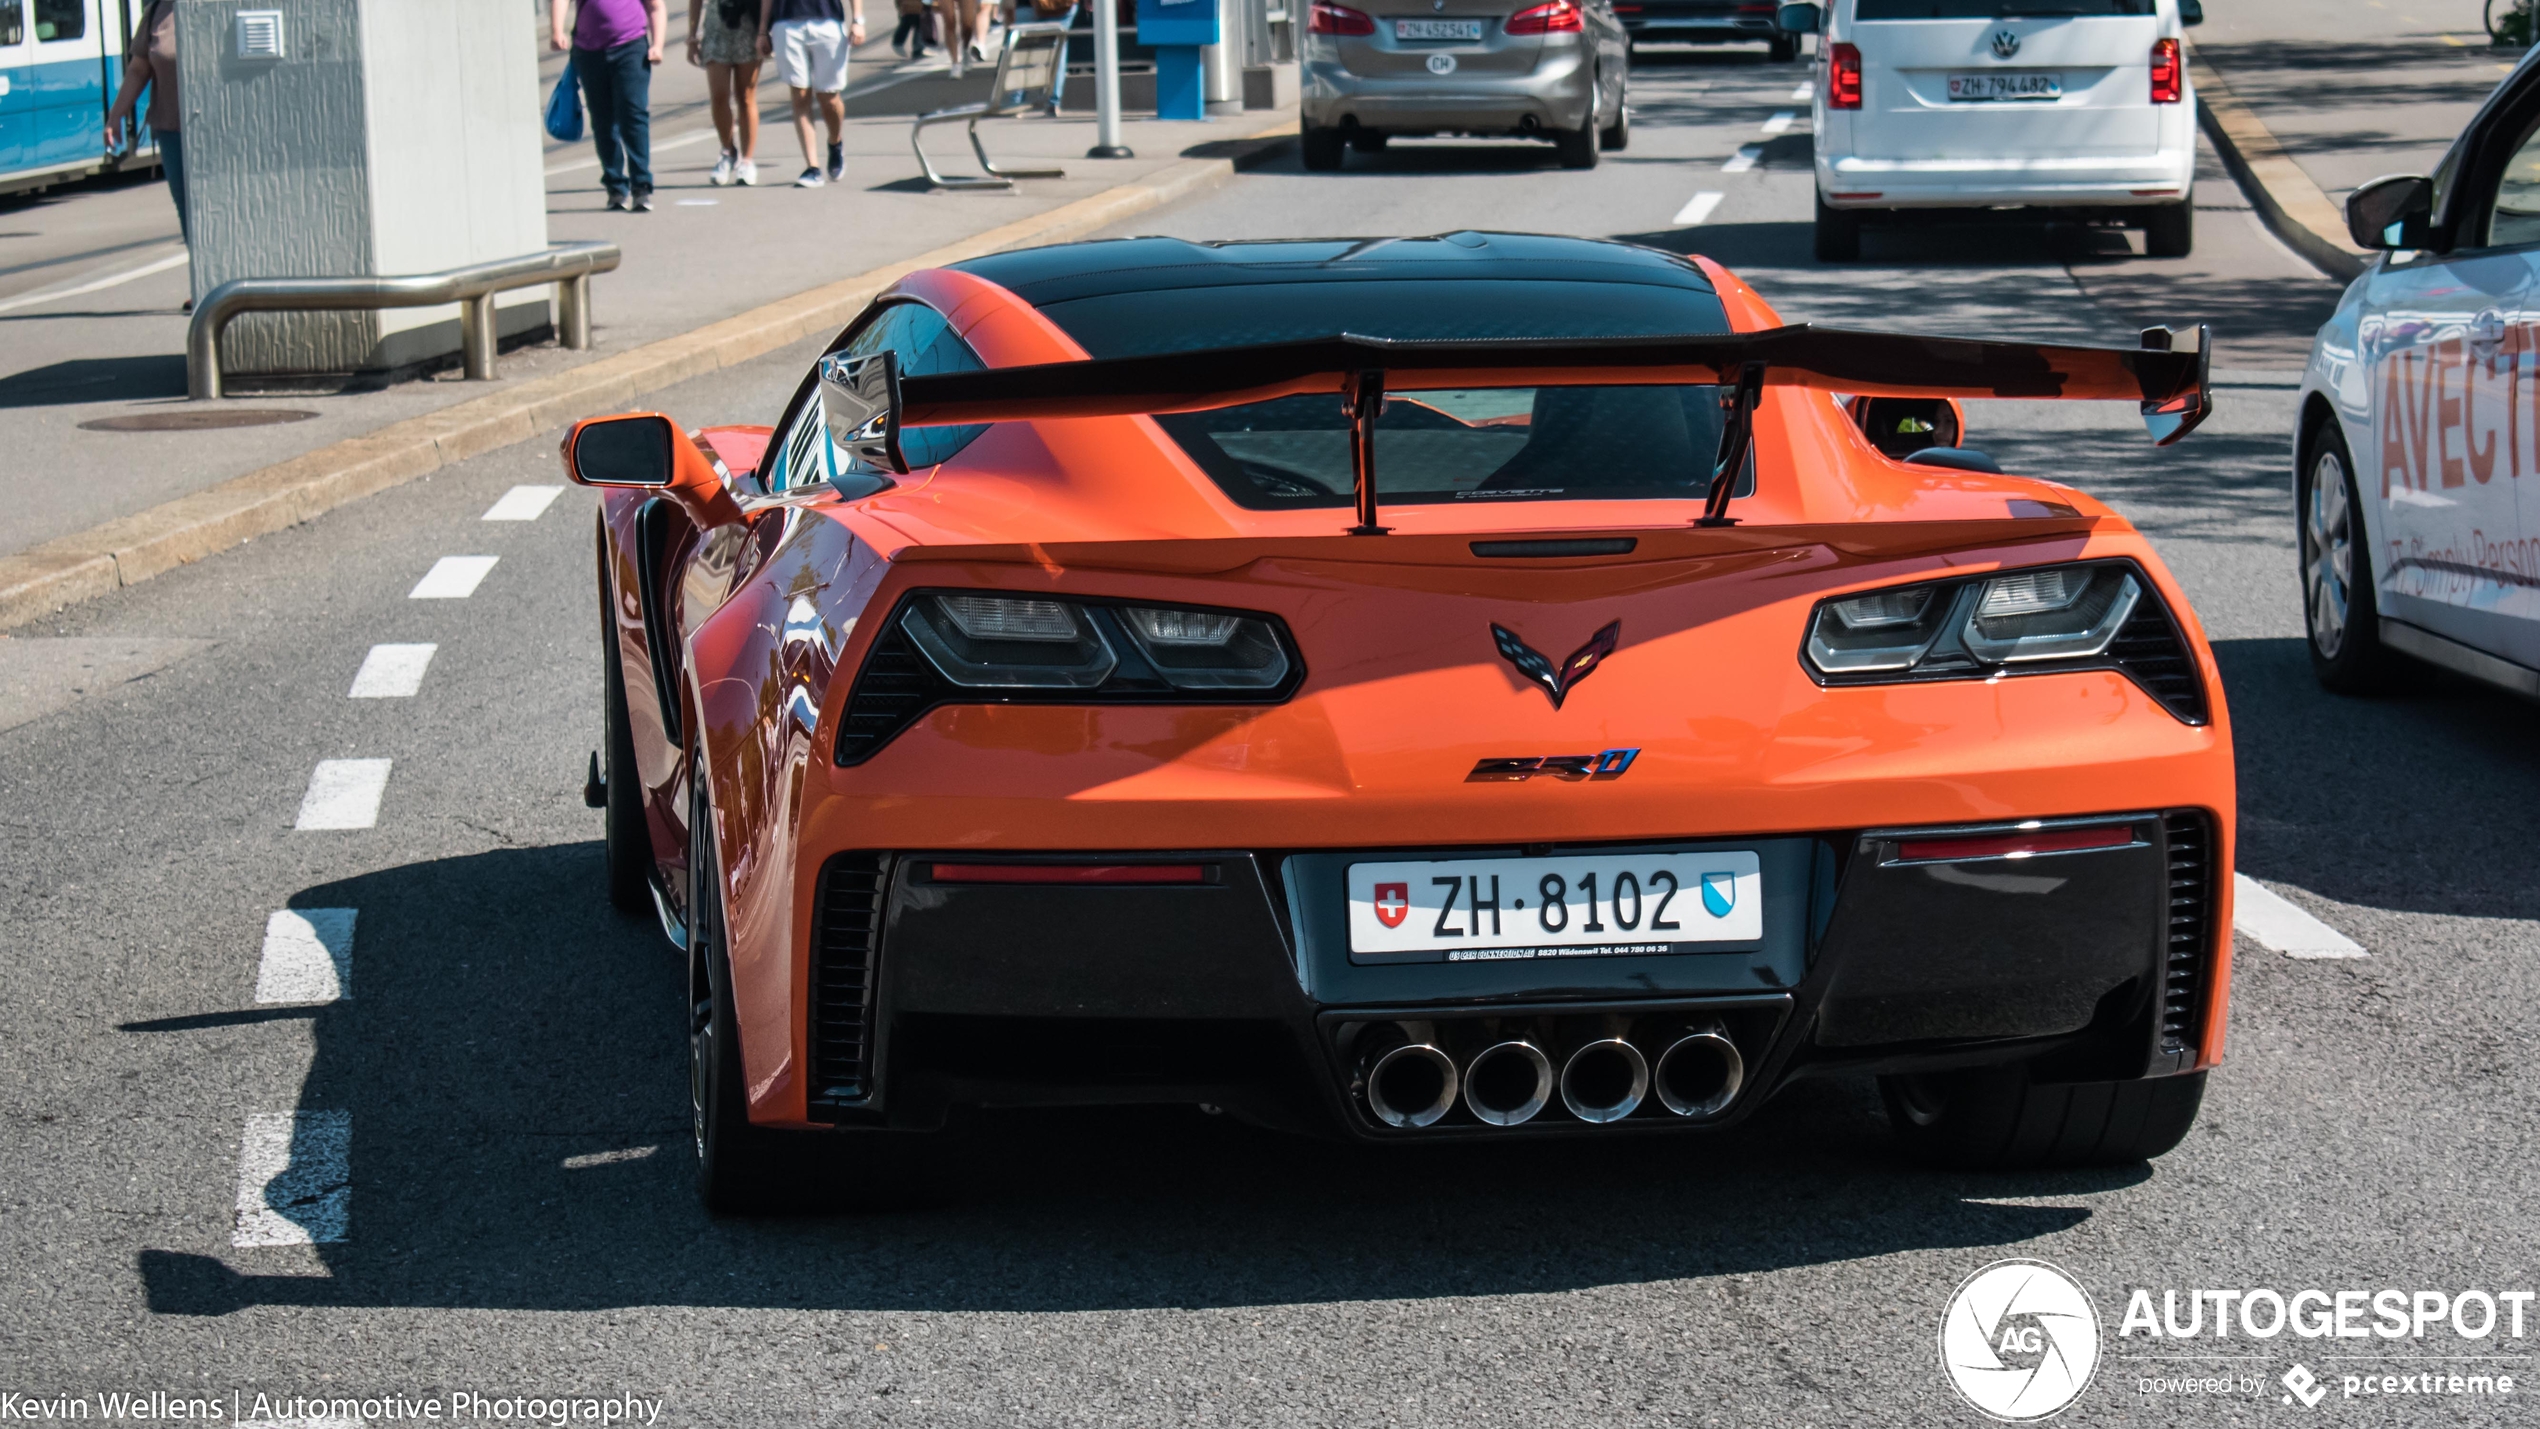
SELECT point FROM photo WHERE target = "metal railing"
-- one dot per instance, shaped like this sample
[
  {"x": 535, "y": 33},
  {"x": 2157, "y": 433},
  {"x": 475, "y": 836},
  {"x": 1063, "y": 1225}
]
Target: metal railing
[{"x": 567, "y": 265}]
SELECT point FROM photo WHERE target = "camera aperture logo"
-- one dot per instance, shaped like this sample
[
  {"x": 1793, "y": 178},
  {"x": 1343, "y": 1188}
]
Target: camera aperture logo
[{"x": 2020, "y": 1340}]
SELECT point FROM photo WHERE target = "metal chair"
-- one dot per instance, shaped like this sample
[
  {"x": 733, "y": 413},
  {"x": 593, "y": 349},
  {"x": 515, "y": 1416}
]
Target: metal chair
[{"x": 1029, "y": 68}]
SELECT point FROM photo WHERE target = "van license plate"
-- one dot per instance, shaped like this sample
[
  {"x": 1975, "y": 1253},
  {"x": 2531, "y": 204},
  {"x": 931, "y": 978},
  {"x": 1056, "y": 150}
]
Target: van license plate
[
  {"x": 2000, "y": 85},
  {"x": 1437, "y": 29}
]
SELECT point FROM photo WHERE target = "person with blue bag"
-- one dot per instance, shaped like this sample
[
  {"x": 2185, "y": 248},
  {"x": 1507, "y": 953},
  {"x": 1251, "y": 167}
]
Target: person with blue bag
[{"x": 614, "y": 45}]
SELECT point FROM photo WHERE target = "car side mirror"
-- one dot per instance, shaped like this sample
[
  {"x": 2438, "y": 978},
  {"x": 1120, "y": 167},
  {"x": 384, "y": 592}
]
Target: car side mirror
[
  {"x": 2191, "y": 12},
  {"x": 1800, "y": 19},
  {"x": 2391, "y": 213},
  {"x": 860, "y": 403},
  {"x": 647, "y": 451}
]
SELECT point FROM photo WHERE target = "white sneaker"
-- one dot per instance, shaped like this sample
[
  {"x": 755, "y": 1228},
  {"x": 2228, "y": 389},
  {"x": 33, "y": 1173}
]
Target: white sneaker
[
  {"x": 722, "y": 175},
  {"x": 745, "y": 172},
  {"x": 811, "y": 179},
  {"x": 956, "y": 64}
]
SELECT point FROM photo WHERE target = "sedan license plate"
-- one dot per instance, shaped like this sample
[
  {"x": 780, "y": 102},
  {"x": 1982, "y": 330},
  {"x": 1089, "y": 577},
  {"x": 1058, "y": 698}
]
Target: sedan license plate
[
  {"x": 1998, "y": 85},
  {"x": 1591, "y": 905},
  {"x": 1437, "y": 29}
]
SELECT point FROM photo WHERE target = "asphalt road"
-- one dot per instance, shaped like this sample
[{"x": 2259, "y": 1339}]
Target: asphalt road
[{"x": 507, "y": 1074}]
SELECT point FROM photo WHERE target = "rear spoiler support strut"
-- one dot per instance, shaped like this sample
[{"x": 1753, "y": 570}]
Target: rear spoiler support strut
[
  {"x": 1736, "y": 440},
  {"x": 1364, "y": 401}
]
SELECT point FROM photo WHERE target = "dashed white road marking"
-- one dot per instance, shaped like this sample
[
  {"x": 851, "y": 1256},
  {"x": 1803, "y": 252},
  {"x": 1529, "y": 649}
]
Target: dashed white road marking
[
  {"x": 1805, "y": 91},
  {"x": 452, "y": 578},
  {"x": 295, "y": 1183},
  {"x": 524, "y": 503},
  {"x": 1744, "y": 161},
  {"x": 2265, "y": 916},
  {"x": 308, "y": 956},
  {"x": 1780, "y": 123},
  {"x": 344, "y": 794},
  {"x": 391, "y": 672},
  {"x": 1698, "y": 208}
]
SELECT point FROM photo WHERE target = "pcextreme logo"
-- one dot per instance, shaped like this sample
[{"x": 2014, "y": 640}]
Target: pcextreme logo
[{"x": 2019, "y": 1340}]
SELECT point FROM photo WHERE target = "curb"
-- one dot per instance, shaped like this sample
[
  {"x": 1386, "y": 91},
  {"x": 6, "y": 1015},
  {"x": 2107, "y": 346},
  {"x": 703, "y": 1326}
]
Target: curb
[
  {"x": 2287, "y": 200},
  {"x": 131, "y": 549}
]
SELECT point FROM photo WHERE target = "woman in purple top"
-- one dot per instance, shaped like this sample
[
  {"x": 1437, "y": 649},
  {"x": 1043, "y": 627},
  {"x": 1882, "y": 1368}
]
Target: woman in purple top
[{"x": 615, "y": 45}]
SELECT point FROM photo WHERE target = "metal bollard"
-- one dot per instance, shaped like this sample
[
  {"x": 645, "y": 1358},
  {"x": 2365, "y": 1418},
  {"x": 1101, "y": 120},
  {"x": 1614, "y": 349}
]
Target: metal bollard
[
  {"x": 573, "y": 312},
  {"x": 476, "y": 337}
]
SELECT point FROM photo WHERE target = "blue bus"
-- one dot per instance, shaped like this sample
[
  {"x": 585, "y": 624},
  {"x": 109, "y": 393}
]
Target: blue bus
[{"x": 60, "y": 61}]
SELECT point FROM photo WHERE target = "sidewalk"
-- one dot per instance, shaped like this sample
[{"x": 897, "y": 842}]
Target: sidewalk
[{"x": 705, "y": 255}]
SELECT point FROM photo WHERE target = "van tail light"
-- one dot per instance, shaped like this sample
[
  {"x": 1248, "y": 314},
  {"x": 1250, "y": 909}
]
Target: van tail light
[
  {"x": 1843, "y": 77},
  {"x": 1331, "y": 19},
  {"x": 2168, "y": 75},
  {"x": 1561, "y": 17}
]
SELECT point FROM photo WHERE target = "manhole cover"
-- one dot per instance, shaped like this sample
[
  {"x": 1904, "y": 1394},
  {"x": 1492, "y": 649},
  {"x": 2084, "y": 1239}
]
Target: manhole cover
[{"x": 196, "y": 419}]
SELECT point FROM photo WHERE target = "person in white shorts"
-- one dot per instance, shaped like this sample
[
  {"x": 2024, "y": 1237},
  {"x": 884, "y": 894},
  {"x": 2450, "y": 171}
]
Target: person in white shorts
[{"x": 810, "y": 40}]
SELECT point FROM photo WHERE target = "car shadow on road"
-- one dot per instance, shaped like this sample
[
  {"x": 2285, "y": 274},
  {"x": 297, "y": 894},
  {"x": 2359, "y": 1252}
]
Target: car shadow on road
[{"x": 514, "y": 1068}]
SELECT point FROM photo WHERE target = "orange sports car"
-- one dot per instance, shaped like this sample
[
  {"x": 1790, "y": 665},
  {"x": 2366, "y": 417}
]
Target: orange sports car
[{"x": 1482, "y": 685}]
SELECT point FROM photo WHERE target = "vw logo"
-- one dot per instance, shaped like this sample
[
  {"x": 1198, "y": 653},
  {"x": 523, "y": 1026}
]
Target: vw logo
[
  {"x": 2006, "y": 43},
  {"x": 2019, "y": 1340}
]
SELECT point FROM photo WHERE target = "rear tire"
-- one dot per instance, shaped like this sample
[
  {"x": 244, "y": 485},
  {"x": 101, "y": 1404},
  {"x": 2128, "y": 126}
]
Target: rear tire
[
  {"x": 2339, "y": 611},
  {"x": 1618, "y": 135},
  {"x": 740, "y": 1168},
  {"x": 1838, "y": 234},
  {"x": 1367, "y": 141},
  {"x": 1996, "y": 1119},
  {"x": 2170, "y": 230},
  {"x": 1577, "y": 147},
  {"x": 1323, "y": 149},
  {"x": 626, "y": 839}
]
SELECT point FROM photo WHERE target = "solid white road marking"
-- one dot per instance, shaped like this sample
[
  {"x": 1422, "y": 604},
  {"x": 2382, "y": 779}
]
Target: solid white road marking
[
  {"x": 523, "y": 503},
  {"x": 391, "y": 672},
  {"x": 1805, "y": 91},
  {"x": 2264, "y": 915},
  {"x": 1698, "y": 208},
  {"x": 308, "y": 956},
  {"x": 97, "y": 285},
  {"x": 1780, "y": 123},
  {"x": 344, "y": 794},
  {"x": 1744, "y": 161},
  {"x": 295, "y": 1184},
  {"x": 452, "y": 578}
]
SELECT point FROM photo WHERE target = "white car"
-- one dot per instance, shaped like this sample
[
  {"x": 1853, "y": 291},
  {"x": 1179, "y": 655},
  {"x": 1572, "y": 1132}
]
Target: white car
[
  {"x": 2417, "y": 436},
  {"x": 2060, "y": 108}
]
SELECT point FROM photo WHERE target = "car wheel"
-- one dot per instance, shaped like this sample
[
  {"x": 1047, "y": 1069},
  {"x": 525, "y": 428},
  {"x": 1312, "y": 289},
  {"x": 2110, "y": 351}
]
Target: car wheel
[
  {"x": 740, "y": 1168},
  {"x": 2338, "y": 607},
  {"x": 1367, "y": 141},
  {"x": 626, "y": 841},
  {"x": 1323, "y": 148},
  {"x": 2170, "y": 230},
  {"x": 1577, "y": 147},
  {"x": 1995, "y": 1118},
  {"x": 1838, "y": 234},
  {"x": 1618, "y": 135}
]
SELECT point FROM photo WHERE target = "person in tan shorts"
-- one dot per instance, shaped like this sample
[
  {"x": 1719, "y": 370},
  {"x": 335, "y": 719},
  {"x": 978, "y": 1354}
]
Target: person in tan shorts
[{"x": 723, "y": 39}]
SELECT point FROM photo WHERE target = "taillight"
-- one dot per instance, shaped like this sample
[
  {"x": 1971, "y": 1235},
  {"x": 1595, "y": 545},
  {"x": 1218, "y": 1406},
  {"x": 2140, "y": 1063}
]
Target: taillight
[
  {"x": 1331, "y": 19},
  {"x": 2168, "y": 76},
  {"x": 1843, "y": 78},
  {"x": 1561, "y": 17}
]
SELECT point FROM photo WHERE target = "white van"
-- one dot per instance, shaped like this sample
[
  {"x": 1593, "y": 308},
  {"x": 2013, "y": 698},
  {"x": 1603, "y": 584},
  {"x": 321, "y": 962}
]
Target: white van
[{"x": 2065, "y": 108}]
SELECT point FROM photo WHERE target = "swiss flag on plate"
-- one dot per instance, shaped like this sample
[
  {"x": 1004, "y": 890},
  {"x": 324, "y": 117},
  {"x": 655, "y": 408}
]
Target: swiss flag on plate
[{"x": 1393, "y": 900}]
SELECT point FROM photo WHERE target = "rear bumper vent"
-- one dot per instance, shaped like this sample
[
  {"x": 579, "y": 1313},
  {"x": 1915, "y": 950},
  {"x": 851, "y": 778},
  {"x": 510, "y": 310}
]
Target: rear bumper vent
[
  {"x": 895, "y": 686},
  {"x": 846, "y": 934},
  {"x": 2150, "y": 651},
  {"x": 2189, "y": 838}
]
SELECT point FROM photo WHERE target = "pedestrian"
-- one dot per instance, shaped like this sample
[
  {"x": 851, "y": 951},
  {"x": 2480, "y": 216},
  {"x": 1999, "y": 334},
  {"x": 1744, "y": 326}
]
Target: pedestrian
[
  {"x": 909, "y": 40},
  {"x": 958, "y": 27},
  {"x": 615, "y": 44},
  {"x": 809, "y": 40},
  {"x": 150, "y": 62},
  {"x": 723, "y": 37}
]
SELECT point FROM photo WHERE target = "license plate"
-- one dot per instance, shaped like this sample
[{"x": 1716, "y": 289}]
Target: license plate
[
  {"x": 1592, "y": 905},
  {"x": 2001, "y": 85},
  {"x": 1437, "y": 29}
]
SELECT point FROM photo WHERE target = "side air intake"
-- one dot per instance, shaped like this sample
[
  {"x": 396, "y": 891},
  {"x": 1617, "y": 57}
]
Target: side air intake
[{"x": 845, "y": 960}]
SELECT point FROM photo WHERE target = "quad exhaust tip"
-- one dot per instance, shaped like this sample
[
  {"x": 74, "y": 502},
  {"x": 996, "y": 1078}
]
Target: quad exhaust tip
[
  {"x": 1604, "y": 1080},
  {"x": 1506, "y": 1083},
  {"x": 1701, "y": 1072},
  {"x": 1411, "y": 1082}
]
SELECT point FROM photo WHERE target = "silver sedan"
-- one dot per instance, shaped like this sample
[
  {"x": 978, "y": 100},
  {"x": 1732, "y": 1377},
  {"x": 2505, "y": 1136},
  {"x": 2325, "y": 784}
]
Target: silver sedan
[{"x": 1559, "y": 71}]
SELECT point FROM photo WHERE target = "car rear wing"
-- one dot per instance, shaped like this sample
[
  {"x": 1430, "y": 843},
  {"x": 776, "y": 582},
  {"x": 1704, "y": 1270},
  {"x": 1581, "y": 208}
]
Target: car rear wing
[{"x": 867, "y": 401}]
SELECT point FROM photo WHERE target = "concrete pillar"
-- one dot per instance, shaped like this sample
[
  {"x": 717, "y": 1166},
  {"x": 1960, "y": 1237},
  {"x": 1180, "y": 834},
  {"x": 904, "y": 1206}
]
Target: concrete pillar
[{"x": 387, "y": 138}]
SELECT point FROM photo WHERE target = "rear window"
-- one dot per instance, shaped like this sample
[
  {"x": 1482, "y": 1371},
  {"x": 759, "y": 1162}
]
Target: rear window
[
  {"x": 1993, "y": 9},
  {"x": 1484, "y": 445}
]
